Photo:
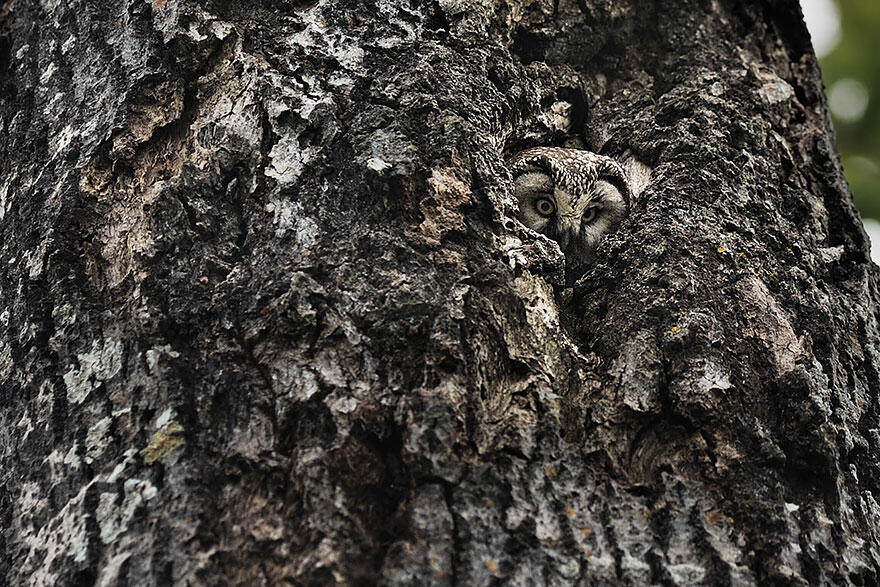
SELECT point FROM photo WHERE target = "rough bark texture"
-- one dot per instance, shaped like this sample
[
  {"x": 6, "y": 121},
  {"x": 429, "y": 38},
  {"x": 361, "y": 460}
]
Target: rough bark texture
[{"x": 266, "y": 314}]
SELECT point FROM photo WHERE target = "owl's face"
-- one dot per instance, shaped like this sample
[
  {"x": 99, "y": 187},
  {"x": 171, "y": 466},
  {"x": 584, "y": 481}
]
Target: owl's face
[{"x": 573, "y": 197}]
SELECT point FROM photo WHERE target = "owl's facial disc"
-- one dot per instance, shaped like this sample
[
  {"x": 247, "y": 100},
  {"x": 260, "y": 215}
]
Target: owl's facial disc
[
  {"x": 533, "y": 181},
  {"x": 538, "y": 206}
]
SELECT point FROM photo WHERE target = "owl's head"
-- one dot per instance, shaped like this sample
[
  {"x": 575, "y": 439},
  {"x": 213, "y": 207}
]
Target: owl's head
[{"x": 573, "y": 197}]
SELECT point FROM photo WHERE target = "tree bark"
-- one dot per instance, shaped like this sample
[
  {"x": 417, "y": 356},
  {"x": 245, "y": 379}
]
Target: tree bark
[{"x": 268, "y": 316}]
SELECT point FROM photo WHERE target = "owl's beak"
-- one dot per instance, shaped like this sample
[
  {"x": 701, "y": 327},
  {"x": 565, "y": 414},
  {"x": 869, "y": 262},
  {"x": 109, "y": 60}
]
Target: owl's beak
[
  {"x": 564, "y": 239},
  {"x": 567, "y": 230}
]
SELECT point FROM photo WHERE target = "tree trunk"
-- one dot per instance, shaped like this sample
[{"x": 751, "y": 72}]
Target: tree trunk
[{"x": 268, "y": 317}]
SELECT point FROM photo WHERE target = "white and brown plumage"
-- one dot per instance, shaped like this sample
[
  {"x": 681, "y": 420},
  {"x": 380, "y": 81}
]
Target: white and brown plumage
[{"x": 572, "y": 196}]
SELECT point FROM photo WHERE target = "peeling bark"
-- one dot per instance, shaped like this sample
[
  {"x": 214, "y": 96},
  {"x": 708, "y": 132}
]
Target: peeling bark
[{"x": 268, "y": 315}]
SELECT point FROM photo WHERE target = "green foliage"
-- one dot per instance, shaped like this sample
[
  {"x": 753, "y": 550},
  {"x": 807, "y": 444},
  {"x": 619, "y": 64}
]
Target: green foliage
[{"x": 857, "y": 56}]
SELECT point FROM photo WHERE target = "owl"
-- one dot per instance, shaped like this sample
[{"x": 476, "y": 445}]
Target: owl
[{"x": 572, "y": 196}]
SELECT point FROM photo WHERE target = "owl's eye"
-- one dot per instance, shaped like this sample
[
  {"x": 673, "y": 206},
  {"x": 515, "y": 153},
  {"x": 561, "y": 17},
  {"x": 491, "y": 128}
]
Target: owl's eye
[
  {"x": 589, "y": 215},
  {"x": 545, "y": 207}
]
